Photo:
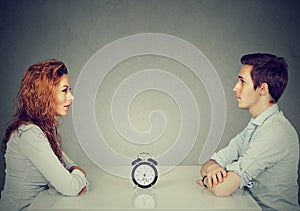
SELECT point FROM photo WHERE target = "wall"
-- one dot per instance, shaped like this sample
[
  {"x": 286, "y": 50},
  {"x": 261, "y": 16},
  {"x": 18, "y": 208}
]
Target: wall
[{"x": 73, "y": 31}]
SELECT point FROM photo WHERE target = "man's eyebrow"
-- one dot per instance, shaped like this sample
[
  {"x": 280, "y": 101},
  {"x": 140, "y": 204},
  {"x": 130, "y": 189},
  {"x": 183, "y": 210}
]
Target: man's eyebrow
[{"x": 241, "y": 77}]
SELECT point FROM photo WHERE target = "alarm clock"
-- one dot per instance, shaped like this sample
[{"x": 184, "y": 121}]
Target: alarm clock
[{"x": 144, "y": 173}]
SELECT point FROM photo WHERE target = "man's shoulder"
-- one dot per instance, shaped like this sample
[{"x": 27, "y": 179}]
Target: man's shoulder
[
  {"x": 276, "y": 119},
  {"x": 279, "y": 127}
]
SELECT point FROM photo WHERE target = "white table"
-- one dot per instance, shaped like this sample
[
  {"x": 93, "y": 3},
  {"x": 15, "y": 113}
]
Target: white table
[{"x": 176, "y": 189}]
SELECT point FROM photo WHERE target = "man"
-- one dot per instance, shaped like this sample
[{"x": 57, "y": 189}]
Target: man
[{"x": 265, "y": 159}]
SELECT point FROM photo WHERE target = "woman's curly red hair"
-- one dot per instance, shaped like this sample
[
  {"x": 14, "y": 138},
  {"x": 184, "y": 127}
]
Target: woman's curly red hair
[{"x": 35, "y": 102}]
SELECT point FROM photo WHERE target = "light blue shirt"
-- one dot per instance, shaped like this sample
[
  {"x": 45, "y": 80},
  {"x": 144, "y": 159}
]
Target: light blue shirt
[
  {"x": 268, "y": 162},
  {"x": 31, "y": 166}
]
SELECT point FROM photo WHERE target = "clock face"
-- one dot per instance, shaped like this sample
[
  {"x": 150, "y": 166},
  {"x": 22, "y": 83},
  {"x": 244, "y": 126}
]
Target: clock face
[{"x": 144, "y": 175}]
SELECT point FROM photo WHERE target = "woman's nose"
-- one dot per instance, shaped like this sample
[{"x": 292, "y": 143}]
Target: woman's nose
[{"x": 71, "y": 97}]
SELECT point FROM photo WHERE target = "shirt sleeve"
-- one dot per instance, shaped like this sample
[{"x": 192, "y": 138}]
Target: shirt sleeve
[
  {"x": 266, "y": 149},
  {"x": 36, "y": 147},
  {"x": 231, "y": 152},
  {"x": 69, "y": 163}
]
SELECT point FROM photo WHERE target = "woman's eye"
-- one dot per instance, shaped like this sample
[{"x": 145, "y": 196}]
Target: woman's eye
[{"x": 66, "y": 90}]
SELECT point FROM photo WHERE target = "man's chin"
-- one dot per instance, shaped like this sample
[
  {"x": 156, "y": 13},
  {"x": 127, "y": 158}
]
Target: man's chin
[{"x": 241, "y": 106}]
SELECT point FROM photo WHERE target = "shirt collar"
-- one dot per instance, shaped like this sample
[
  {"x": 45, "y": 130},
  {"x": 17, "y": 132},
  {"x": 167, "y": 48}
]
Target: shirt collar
[{"x": 264, "y": 115}]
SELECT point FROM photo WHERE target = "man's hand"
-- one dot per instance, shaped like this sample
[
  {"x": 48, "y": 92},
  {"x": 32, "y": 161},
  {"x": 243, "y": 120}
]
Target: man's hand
[
  {"x": 213, "y": 172},
  {"x": 218, "y": 180},
  {"x": 215, "y": 176}
]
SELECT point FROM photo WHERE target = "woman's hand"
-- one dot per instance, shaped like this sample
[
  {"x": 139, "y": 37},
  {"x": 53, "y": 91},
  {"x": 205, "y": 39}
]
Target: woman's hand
[{"x": 83, "y": 190}]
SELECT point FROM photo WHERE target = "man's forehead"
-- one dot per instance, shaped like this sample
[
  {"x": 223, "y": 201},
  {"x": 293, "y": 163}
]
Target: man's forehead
[{"x": 245, "y": 71}]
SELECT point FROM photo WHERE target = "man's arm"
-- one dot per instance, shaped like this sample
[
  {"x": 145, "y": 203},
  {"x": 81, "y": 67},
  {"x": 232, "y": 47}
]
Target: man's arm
[
  {"x": 208, "y": 166},
  {"x": 225, "y": 188},
  {"x": 218, "y": 180},
  {"x": 213, "y": 171}
]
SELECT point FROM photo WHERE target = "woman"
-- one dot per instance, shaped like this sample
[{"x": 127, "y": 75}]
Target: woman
[{"x": 32, "y": 146}]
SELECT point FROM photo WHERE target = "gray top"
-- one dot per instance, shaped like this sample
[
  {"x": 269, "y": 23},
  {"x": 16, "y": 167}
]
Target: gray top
[{"x": 31, "y": 166}]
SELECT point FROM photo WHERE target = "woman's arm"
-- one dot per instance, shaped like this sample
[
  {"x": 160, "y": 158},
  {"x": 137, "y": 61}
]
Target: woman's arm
[
  {"x": 36, "y": 147},
  {"x": 70, "y": 165}
]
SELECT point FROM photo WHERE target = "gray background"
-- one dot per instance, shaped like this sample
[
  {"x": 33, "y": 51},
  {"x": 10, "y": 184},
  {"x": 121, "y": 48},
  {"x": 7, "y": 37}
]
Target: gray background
[{"x": 73, "y": 31}]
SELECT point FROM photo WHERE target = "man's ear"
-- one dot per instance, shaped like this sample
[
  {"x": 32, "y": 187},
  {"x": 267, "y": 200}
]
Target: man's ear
[{"x": 264, "y": 89}]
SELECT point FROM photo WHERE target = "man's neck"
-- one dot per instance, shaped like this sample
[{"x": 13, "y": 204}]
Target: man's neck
[{"x": 255, "y": 112}]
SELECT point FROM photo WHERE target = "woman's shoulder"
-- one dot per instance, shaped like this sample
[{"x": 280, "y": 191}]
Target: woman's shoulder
[{"x": 30, "y": 128}]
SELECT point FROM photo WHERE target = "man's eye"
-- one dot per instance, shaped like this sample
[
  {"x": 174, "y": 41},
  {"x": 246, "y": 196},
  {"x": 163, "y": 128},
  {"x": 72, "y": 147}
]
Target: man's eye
[{"x": 65, "y": 90}]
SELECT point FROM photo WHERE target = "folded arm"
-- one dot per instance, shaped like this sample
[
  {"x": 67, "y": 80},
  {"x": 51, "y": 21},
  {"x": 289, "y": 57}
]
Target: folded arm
[{"x": 218, "y": 180}]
